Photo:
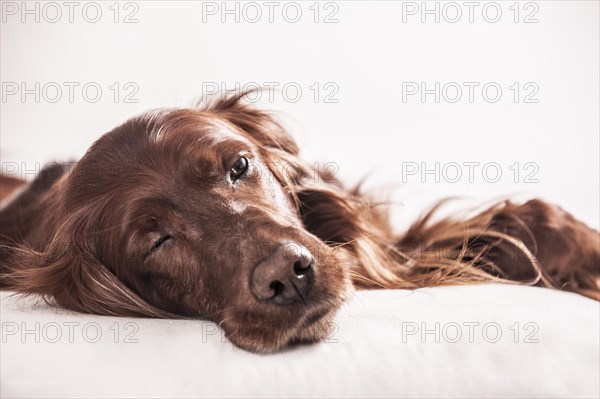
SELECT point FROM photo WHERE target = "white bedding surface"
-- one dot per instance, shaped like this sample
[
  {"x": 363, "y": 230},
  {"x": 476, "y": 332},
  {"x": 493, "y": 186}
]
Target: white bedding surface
[{"x": 375, "y": 351}]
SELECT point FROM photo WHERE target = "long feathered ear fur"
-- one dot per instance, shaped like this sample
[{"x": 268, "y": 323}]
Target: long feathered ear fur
[
  {"x": 50, "y": 262},
  {"x": 498, "y": 244},
  {"x": 64, "y": 276}
]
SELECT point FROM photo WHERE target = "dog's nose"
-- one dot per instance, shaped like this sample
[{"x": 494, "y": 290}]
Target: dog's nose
[{"x": 285, "y": 277}]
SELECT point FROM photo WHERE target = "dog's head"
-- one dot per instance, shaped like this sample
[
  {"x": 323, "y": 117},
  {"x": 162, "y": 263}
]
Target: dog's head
[{"x": 195, "y": 212}]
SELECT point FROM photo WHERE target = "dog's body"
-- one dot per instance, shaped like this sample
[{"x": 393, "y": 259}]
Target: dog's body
[{"x": 211, "y": 213}]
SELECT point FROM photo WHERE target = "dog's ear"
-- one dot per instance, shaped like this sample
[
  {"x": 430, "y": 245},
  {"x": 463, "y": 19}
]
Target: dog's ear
[
  {"x": 262, "y": 126},
  {"x": 21, "y": 210},
  {"x": 63, "y": 273}
]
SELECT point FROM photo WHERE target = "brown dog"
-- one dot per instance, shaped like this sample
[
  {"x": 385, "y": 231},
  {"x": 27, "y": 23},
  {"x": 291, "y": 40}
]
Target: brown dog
[{"x": 210, "y": 213}]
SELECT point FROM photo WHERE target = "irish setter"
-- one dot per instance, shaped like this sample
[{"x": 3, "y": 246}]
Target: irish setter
[{"x": 209, "y": 212}]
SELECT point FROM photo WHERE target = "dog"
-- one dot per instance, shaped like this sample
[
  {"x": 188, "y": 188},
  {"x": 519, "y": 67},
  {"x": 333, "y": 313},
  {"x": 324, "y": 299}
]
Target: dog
[{"x": 209, "y": 212}]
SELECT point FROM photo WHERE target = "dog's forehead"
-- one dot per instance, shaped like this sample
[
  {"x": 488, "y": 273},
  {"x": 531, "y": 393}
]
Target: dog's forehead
[
  {"x": 201, "y": 127},
  {"x": 192, "y": 141},
  {"x": 220, "y": 132}
]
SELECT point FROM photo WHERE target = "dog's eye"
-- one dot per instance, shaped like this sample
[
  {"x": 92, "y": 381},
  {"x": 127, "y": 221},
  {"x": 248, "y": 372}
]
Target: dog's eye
[
  {"x": 238, "y": 169},
  {"x": 157, "y": 244},
  {"x": 161, "y": 241}
]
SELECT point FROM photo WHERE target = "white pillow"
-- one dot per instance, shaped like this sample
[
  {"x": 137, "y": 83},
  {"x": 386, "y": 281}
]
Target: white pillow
[{"x": 525, "y": 342}]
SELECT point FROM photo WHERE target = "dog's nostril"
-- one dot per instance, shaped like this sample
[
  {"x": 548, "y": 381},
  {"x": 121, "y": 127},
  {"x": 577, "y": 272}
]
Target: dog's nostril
[
  {"x": 285, "y": 277},
  {"x": 277, "y": 287},
  {"x": 301, "y": 268}
]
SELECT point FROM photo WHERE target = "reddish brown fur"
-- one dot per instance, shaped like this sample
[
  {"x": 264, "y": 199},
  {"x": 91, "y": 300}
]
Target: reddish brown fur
[
  {"x": 9, "y": 185},
  {"x": 80, "y": 236}
]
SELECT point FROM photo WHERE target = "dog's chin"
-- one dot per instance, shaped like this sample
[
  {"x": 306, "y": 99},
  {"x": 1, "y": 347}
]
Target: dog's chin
[
  {"x": 310, "y": 323},
  {"x": 313, "y": 327}
]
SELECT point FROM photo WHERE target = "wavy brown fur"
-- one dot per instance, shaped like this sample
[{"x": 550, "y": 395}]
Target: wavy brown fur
[{"x": 58, "y": 254}]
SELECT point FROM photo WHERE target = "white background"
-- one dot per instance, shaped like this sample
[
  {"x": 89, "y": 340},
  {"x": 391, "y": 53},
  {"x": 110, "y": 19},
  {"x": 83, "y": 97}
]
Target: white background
[{"x": 175, "y": 49}]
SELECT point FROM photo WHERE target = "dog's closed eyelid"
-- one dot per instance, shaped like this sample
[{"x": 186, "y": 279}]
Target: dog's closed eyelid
[
  {"x": 161, "y": 241},
  {"x": 158, "y": 243}
]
